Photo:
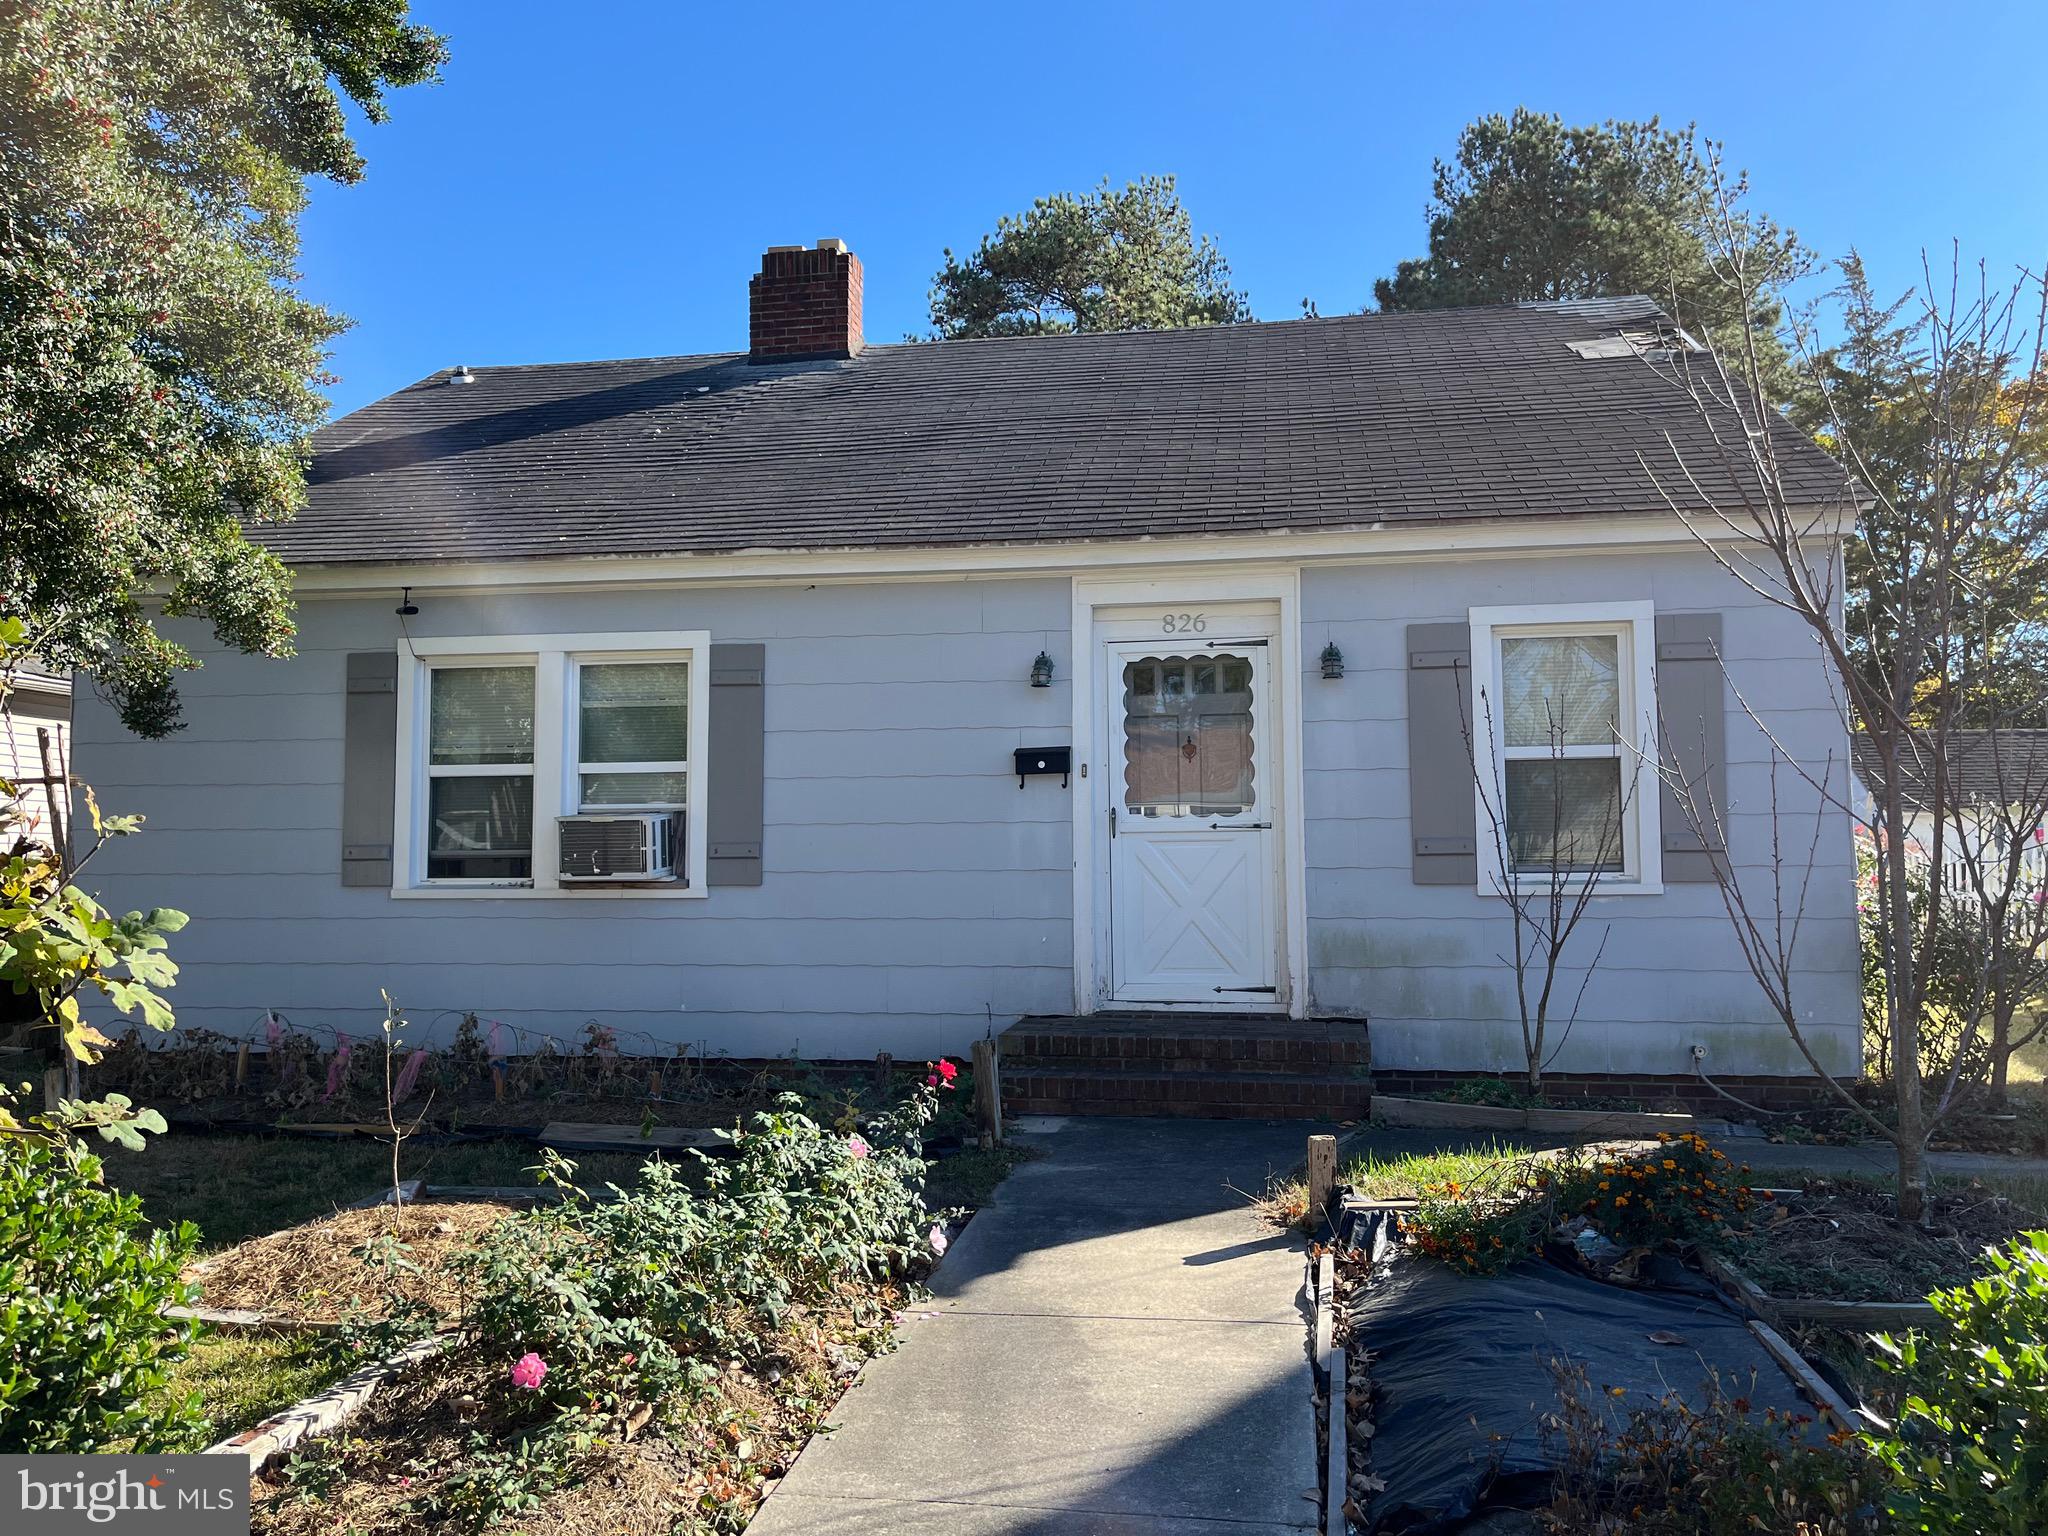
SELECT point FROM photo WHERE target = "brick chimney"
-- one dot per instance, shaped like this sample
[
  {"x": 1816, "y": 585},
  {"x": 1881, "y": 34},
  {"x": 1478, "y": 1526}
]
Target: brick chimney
[{"x": 804, "y": 303}]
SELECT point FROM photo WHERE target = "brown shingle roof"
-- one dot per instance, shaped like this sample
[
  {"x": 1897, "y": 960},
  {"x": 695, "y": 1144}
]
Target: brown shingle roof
[
  {"x": 1986, "y": 768},
  {"x": 1449, "y": 415}
]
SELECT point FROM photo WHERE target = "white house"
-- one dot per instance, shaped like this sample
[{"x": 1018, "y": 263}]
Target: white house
[
  {"x": 35, "y": 752},
  {"x": 816, "y": 613}
]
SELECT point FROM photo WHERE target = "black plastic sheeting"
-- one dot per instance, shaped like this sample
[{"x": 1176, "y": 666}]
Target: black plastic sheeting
[{"x": 1458, "y": 1359}]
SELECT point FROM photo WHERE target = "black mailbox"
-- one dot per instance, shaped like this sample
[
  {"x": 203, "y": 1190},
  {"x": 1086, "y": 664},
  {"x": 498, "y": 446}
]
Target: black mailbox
[{"x": 1036, "y": 760}]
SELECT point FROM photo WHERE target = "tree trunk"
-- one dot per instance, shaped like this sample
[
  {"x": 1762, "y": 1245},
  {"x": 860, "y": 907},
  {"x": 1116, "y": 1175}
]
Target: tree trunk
[
  {"x": 1912, "y": 1172},
  {"x": 1902, "y": 1005},
  {"x": 2001, "y": 1051}
]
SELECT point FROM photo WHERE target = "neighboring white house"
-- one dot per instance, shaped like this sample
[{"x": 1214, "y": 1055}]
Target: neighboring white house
[
  {"x": 1997, "y": 786},
  {"x": 833, "y": 606},
  {"x": 36, "y": 741}
]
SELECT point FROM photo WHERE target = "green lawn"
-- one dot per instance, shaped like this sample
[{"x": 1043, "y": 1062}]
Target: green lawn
[{"x": 243, "y": 1378}]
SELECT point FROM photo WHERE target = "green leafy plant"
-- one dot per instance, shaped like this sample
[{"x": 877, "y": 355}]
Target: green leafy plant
[
  {"x": 1969, "y": 1452},
  {"x": 1682, "y": 1190},
  {"x": 1496, "y": 1092},
  {"x": 501, "y": 1481},
  {"x": 317, "y": 1473},
  {"x": 57, "y": 943},
  {"x": 613, "y": 1311},
  {"x": 85, "y": 1350},
  {"x": 398, "y": 1319}
]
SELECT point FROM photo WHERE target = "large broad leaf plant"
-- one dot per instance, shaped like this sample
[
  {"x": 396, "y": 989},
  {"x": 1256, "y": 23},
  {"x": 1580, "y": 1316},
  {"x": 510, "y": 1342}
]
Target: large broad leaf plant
[{"x": 59, "y": 946}]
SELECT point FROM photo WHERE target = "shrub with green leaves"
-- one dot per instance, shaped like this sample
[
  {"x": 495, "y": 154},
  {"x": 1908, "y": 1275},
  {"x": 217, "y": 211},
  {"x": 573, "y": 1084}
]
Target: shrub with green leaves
[
  {"x": 85, "y": 1349},
  {"x": 1970, "y": 1452},
  {"x": 1681, "y": 1190},
  {"x": 643, "y": 1296}
]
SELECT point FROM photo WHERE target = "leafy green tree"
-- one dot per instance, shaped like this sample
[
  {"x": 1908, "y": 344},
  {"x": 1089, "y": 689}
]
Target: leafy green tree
[
  {"x": 1106, "y": 261},
  {"x": 1531, "y": 209},
  {"x": 1872, "y": 407},
  {"x": 158, "y": 373}
]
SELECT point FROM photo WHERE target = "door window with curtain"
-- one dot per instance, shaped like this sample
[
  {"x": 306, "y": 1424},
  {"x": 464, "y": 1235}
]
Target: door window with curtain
[
  {"x": 1562, "y": 701},
  {"x": 480, "y": 773},
  {"x": 1188, "y": 736},
  {"x": 633, "y": 735}
]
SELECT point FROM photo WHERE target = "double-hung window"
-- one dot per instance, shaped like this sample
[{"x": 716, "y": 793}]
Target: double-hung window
[
  {"x": 1564, "y": 739},
  {"x": 633, "y": 735},
  {"x": 479, "y": 767},
  {"x": 500, "y": 736}
]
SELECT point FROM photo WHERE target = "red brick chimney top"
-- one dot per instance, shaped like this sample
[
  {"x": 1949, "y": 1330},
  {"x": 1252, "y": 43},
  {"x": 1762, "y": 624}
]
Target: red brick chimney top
[{"x": 804, "y": 303}]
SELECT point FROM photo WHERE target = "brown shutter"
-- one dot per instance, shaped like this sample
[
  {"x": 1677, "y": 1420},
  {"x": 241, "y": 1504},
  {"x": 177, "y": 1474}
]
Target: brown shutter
[
  {"x": 738, "y": 765},
  {"x": 369, "y": 767},
  {"x": 1442, "y": 823},
  {"x": 1692, "y": 735}
]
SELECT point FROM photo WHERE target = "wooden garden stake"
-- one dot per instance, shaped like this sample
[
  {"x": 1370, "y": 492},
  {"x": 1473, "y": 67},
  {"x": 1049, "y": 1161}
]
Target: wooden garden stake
[
  {"x": 988, "y": 1093},
  {"x": 885, "y": 1066},
  {"x": 241, "y": 1066},
  {"x": 654, "y": 1084},
  {"x": 1322, "y": 1175}
]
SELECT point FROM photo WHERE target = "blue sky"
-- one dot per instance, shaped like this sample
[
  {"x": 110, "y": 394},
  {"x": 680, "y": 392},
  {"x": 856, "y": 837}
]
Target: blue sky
[{"x": 600, "y": 180}]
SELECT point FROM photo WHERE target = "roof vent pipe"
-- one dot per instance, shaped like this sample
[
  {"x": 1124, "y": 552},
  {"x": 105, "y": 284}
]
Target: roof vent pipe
[{"x": 460, "y": 374}]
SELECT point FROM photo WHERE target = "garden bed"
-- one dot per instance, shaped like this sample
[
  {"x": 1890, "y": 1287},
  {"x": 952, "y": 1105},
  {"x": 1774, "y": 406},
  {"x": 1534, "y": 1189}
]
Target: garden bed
[
  {"x": 1548, "y": 1120},
  {"x": 642, "y": 1361},
  {"x": 1836, "y": 1254},
  {"x": 313, "y": 1272},
  {"x": 473, "y": 1075}
]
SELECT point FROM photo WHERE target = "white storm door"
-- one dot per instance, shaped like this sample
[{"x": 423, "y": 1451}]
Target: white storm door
[{"x": 1192, "y": 847}]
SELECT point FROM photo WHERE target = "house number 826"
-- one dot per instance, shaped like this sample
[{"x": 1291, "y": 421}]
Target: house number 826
[{"x": 1183, "y": 623}]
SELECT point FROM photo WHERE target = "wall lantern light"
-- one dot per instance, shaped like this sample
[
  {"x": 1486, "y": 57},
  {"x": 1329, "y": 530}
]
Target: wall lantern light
[
  {"x": 1333, "y": 661},
  {"x": 1041, "y": 671}
]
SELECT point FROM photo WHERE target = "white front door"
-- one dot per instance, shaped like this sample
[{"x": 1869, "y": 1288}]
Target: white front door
[{"x": 1192, "y": 849}]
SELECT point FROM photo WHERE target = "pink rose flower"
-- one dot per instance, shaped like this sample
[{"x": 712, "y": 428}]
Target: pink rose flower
[
  {"x": 857, "y": 1147},
  {"x": 528, "y": 1371},
  {"x": 938, "y": 1239}
]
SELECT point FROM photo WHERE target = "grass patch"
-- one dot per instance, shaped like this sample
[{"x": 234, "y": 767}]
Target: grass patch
[
  {"x": 238, "y": 1187},
  {"x": 1408, "y": 1175},
  {"x": 1398, "y": 1176},
  {"x": 243, "y": 1378},
  {"x": 967, "y": 1179}
]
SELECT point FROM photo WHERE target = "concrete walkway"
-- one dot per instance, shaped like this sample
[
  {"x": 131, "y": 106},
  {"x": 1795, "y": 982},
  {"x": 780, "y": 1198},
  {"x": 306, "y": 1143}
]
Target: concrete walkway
[
  {"x": 1116, "y": 1345},
  {"x": 1870, "y": 1160}
]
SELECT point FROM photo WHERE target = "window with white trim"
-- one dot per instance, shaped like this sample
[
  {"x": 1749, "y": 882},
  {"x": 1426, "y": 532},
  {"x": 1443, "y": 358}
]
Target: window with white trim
[
  {"x": 633, "y": 735},
  {"x": 480, "y": 773},
  {"x": 499, "y": 736},
  {"x": 1563, "y": 721}
]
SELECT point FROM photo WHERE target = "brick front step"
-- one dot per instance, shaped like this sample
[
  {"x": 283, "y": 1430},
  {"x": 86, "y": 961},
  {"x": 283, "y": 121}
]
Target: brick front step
[
  {"x": 1213, "y": 1066},
  {"x": 1032, "y": 1090},
  {"x": 1115, "y": 1045}
]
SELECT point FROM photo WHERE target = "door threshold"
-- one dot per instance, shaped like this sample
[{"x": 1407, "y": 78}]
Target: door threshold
[{"x": 1126, "y": 1005}]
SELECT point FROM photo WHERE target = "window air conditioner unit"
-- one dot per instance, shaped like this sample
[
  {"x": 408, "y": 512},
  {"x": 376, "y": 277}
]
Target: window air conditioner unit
[{"x": 636, "y": 846}]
